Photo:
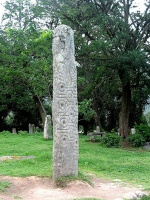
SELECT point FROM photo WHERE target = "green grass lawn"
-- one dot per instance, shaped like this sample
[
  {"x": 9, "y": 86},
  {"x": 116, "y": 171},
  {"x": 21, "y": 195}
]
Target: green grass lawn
[
  {"x": 131, "y": 166},
  {"x": 26, "y": 145}
]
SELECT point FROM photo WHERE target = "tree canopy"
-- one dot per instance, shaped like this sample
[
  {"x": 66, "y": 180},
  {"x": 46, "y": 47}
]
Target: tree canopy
[
  {"x": 26, "y": 63},
  {"x": 112, "y": 49}
]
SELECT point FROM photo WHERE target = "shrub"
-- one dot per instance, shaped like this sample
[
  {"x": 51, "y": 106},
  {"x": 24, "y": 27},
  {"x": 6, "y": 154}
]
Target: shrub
[
  {"x": 111, "y": 140},
  {"x": 145, "y": 197},
  {"x": 144, "y": 130},
  {"x": 136, "y": 140},
  {"x": 5, "y": 132}
]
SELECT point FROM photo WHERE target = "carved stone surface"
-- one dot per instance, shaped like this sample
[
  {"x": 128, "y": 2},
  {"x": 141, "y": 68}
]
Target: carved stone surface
[{"x": 65, "y": 107}]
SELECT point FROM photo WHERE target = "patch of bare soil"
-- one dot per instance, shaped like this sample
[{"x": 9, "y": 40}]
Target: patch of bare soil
[{"x": 35, "y": 188}]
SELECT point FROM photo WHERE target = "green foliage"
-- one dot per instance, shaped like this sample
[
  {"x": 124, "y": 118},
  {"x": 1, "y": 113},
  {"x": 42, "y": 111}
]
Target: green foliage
[
  {"x": 111, "y": 54},
  {"x": 10, "y": 118},
  {"x": 23, "y": 132},
  {"x": 111, "y": 140},
  {"x": 26, "y": 65},
  {"x": 85, "y": 109},
  {"x": 20, "y": 14},
  {"x": 4, "y": 185},
  {"x": 144, "y": 130},
  {"x": 5, "y": 133},
  {"x": 145, "y": 197},
  {"x": 136, "y": 140}
]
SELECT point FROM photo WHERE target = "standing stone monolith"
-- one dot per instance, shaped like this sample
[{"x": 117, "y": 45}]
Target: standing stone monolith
[
  {"x": 31, "y": 128},
  {"x": 47, "y": 127},
  {"x": 65, "y": 106},
  {"x": 14, "y": 130},
  {"x": 133, "y": 131}
]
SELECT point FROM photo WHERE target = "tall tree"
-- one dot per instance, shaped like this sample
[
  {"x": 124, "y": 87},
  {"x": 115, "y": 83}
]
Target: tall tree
[
  {"x": 29, "y": 53},
  {"x": 112, "y": 39}
]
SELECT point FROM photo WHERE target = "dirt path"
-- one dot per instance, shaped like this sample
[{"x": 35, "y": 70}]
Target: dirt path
[{"x": 35, "y": 188}]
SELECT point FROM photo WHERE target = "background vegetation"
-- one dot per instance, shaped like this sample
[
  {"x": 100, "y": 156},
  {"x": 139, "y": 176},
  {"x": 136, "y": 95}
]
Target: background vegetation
[{"x": 112, "y": 49}]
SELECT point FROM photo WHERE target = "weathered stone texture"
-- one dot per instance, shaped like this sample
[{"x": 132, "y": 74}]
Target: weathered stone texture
[
  {"x": 31, "y": 128},
  {"x": 65, "y": 108},
  {"x": 47, "y": 127}
]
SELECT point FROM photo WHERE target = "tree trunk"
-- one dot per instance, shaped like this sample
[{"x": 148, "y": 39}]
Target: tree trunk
[
  {"x": 97, "y": 110},
  {"x": 41, "y": 109},
  {"x": 125, "y": 110}
]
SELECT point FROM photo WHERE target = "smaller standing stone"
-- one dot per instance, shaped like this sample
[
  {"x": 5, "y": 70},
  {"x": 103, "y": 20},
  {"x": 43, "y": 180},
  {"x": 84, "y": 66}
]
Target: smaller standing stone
[
  {"x": 118, "y": 132},
  {"x": 133, "y": 131},
  {"x": 97, "y": 129},
  {"x": 14, "y": 131},
  {"x": 46, "y": 127},
  {"x": 31, "y": 128}
]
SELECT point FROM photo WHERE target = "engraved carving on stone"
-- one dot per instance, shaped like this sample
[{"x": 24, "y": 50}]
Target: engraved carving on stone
[{"x": 65, "y": 106}]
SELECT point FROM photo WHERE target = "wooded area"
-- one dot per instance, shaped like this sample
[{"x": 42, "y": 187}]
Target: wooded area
[{"x": 113, "y": 54}]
